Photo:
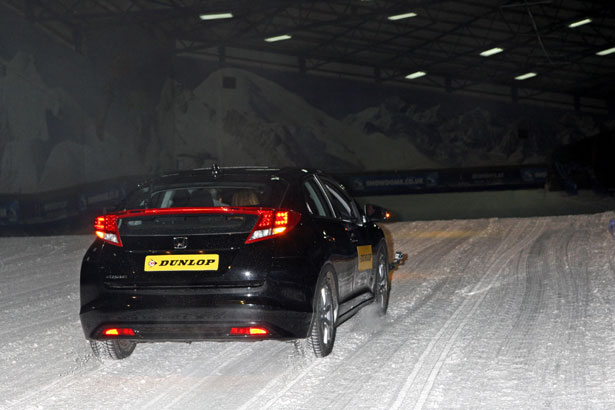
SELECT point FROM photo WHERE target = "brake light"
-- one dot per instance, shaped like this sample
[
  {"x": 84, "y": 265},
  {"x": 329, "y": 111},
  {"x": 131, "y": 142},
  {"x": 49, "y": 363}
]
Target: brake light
[
  {"x": 249, "y": 331},
  {"x": 106, "y": 229},
  {"x": 119, "y": 332},
  {"x": 273, "y": 223}
]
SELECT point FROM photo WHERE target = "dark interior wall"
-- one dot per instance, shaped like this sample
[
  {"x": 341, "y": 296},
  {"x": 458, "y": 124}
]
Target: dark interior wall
[
  {"x": 434, "y": 129},
  {"x": 67, "y": 117},
  {"x": 125, "y": 106}
]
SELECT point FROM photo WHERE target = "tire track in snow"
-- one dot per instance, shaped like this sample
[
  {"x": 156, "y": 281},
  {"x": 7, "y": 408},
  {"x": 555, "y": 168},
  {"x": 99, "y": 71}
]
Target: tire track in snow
[
  {"x": 574, "y": 294},
  {"x": 518, "y": 343},
  {"x": 238, "y": 359},
  {"x": 34, "y": 398},
  {"x": 449, "y": 332},
  {"x": 380, "y": 347},
  {"x": 167, "y": 392},
  {"x": 280, "y": 385},
  {"x": 66, "y": 318},
  {"x": 171, "y": 395},
  {"x": 288, "y": 386},
  {"x": 17, "y": 300}
]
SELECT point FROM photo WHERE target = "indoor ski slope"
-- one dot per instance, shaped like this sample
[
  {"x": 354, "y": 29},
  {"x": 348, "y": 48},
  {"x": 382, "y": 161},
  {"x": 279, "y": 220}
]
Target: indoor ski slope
[{"x": 486, "y": 313}]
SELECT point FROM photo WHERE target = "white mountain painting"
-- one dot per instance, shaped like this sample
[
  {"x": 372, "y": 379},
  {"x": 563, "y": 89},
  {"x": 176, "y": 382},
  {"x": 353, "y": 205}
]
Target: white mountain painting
[
  {"x": 474, "y": 137},
  {"x": 46, "y": 139},
  {"x": 259, "y": 122}
]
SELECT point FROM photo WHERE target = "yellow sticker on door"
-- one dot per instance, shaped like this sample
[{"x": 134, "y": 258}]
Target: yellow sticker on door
[
  {"x": 365, "y": 257},
  {"x": 155, "y": 263}
]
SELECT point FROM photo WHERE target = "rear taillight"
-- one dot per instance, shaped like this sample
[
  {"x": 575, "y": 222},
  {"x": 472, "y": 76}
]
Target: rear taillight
[
  {"x": 106, "y": 229},
  {"x": 273, "y": 223}
]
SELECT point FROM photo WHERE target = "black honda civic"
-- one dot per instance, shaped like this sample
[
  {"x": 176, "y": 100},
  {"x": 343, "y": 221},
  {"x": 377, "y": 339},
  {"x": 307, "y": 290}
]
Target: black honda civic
[{"x": 232, "y": 254}]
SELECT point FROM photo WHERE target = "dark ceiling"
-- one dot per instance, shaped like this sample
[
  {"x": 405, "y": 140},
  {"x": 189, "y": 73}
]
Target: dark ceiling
[{"x": 355, "y": 38}]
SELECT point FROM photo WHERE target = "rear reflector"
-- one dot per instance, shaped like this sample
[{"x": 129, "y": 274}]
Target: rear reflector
[
  {"x": 118, "y": 332},
  {"x": 249, "y": 331}
]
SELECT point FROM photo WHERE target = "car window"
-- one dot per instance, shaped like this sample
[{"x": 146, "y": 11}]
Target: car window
[
  {"x": 315, "y": 200},
  {"x": 235, "y": 194},
  {"x": 344, "y": 206}
]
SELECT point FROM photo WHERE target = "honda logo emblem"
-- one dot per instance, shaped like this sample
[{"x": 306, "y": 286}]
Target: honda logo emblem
[{"x": 180, "y": 242}]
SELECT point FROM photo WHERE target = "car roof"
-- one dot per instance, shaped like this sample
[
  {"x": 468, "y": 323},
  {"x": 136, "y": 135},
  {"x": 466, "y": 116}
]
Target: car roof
[{"x": 290, "y": 174}]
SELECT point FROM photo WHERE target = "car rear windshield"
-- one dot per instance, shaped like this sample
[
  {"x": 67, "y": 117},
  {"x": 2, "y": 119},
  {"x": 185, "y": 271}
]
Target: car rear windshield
[{"x": 234, "y": 193}]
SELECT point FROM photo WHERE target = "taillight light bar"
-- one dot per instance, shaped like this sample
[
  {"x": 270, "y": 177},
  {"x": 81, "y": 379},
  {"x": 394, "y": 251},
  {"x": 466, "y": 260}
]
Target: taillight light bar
[{"x": 271, "y": 222}]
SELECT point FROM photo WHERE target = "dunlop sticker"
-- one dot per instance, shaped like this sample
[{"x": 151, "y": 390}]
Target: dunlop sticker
[
  {"x": 365, "y": 257},
  {"x": 160, "y": 263}
]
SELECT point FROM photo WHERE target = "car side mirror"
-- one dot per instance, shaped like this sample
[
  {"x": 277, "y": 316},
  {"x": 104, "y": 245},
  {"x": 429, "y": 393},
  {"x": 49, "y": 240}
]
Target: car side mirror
[{"x": 376, "y": 213}]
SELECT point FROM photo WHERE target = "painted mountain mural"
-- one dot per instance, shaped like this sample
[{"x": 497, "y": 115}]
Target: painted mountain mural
[
  {"x": 258, "y": 122},
  {"x": 236, "y": 117}
]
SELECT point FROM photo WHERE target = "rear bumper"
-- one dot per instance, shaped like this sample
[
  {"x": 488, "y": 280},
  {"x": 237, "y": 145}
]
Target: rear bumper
[
  {"x": 278, "y": 297},
  {"x": 193, "y": 317}
]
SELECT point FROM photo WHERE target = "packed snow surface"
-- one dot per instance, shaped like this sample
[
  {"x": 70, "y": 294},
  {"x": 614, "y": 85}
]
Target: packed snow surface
[{"x": 485, "y": 313}]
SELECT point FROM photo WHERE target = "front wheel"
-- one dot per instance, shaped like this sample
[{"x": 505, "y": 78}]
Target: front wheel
[
  {"x": 382, "y": 285},
  {"x": 322, "y": 330},
  {"x": 112, "y": 349}
]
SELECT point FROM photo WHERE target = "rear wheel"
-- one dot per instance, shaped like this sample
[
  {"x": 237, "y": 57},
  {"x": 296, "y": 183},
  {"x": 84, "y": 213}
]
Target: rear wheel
[
  {"x": 382, "y": 286},
  {"x": 322, "y": 332},
  {"x": 112, "y": 349}
]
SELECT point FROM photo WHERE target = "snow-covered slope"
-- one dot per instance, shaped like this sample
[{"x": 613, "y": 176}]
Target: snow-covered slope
[{"x": 485, "y": 314}]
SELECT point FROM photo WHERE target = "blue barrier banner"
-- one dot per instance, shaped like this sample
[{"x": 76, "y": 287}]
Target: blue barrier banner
[
  {"x": 445, "y": 180},
  {"x": 71, "y": 203},
  {"x": 534, "y": 175},
  {"x": 393, "y": 183},
  {"x": 9, "y": 212}
]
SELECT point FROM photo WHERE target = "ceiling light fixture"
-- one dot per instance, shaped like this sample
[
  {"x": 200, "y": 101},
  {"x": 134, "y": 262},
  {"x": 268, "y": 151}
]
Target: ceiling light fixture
[
  {"x": 491, "y": 51},
  {"x": 579, "y": 23},
  {"x": 401, "y": 16},
  {"x": 416, "y": 75},
  {"x": 278, "y": 38},
  {"x": 606, "y": 52},
  {"x": 216, "y": 16},
  {"x": 525, "y": 76}
]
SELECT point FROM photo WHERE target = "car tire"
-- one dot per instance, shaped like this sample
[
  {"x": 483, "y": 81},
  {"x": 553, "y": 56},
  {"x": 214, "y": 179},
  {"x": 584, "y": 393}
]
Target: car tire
[
  {"x": 382, "y": 282},
  {"x": 322, "y": 330},
  {"x": 112, "y": 349}
]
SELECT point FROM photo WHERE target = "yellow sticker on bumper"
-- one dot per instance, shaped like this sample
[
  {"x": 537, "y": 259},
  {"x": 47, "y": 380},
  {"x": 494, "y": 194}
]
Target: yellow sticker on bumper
[
  {"x": 365, "y": 257},
  {"x": 162, "y": 263}
]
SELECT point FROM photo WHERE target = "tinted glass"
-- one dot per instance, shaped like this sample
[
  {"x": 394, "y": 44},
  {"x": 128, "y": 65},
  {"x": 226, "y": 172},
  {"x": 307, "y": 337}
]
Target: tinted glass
[
  {"x": 207, "y": 194},
  {"x": 314, "y": 198},
  {"x": 344, "y": 206}
]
